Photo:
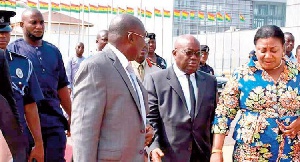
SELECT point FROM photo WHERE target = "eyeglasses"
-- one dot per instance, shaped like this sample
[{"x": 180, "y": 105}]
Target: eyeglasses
[
  {"x": 144, "y": 37},
  {"x": 190, "y": 53}
]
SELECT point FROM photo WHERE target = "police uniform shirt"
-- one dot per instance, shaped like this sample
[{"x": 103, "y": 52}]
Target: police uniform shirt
[
  {"x": 49, "y": 69},
  {"x": 206, "y": 68},
  {"x": 161, "y": 62},
  {"x": 5, "y": 84},
  {"x": 24, "y": 82}
]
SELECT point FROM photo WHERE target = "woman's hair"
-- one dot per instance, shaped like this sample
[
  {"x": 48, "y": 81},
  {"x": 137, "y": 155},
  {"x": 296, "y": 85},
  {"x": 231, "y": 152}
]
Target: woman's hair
[{"x": 268, "y": 31}]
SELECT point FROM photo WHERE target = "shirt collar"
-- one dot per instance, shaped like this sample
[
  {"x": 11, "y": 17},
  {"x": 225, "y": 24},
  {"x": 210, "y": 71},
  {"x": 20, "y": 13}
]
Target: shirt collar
[
  {"x": 136, "y": 64},
  {"x": 180, "y": 73},
  {"x": 124, "y": 61}
]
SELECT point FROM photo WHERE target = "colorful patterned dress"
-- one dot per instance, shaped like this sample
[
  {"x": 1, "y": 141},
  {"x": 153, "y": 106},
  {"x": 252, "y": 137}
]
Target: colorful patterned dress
[{"x": 261, "y": 101}]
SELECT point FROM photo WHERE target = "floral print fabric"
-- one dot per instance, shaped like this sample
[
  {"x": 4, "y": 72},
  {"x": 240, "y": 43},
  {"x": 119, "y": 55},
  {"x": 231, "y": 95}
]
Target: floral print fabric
[{"x": 262, "y": 101}]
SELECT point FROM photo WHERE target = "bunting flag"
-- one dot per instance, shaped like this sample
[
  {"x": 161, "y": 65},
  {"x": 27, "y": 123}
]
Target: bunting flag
[
  {"x": 167, "y": 13},
  {"x": 108, "y": 9},
  {"x": 157, "y": 12},
  {"x": 130, "y": 10},
  {"x": 192, "y": 14},
  {"x": 114, "y": 10},
  {"x": 2, "y": 3},
  {"x": 242, "y": 18},
  {"x": 93, "y": 8},
  {"x": 185, "y": 14},
  {"x": 210, "y": 16},
  {"x": 220, "y": 16},
  {"x": 176, "y": 13},
  {"x": 10, "y": 4},
  {"x": 55, "y": 6},
  {"x": 148, "y": 14},
  {"x": 86, "y": 9},
  {"x": 201, "y": 15},
  {"x": 141, "y": 12},
  {"x": 102, "y": 9},
  {"x": 75, "y": 8},
  {"x": 31, "y": 4},
  {"x": 121, "y": 11},
  {"x": 64, "y": 7},
  {"x": 43, "y": 5},
  {"x": 227, "y": 17}
]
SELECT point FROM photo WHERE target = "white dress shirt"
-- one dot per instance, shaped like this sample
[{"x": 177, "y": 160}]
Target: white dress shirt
[
  {"x": 133, "y": 79},
  {"x": 185, "y": 85}
]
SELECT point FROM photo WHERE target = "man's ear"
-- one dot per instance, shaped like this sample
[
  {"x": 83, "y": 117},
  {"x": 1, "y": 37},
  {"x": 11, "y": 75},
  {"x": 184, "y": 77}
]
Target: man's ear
[
  {"x": 21, "y": 24},
  {"x": 174, "y": 52},
  {"x": 130, "y": 38},
  {"x": 97, "y": 41}
]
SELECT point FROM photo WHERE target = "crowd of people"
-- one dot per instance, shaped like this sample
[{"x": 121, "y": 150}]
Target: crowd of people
[{"x": 124, "y": 103}]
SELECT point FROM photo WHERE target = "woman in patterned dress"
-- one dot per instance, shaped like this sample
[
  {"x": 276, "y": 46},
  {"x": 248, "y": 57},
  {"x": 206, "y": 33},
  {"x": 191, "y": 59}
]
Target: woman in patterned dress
[{"x": 267, "y": 92}]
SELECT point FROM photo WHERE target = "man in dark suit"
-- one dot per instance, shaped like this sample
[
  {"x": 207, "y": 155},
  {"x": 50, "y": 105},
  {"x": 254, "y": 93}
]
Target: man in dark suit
[
  {"x": 110, "y": 104},
  {"x": 182, "y": 101}
]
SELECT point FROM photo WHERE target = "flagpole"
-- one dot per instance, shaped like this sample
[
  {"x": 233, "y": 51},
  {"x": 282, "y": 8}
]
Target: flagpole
[
  {"x": 82, "y": 21},
  {"x": 162, "y": 32},
  {"x": 49, "y": 19}
]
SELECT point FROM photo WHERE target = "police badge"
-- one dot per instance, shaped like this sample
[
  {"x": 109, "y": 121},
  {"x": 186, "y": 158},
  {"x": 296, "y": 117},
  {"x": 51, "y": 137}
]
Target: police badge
[{"x": 19, "y": 73}]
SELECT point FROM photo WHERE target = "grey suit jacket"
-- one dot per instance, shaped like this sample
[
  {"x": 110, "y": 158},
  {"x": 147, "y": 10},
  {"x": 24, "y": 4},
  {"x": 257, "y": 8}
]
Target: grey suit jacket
[
  {"x": 169, "y": 116},
  {"x": 106, "y": 118}
]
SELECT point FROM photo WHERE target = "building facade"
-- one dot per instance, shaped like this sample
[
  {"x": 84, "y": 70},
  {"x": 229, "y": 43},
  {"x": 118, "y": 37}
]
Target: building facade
[{"x": 212, "y": 16}]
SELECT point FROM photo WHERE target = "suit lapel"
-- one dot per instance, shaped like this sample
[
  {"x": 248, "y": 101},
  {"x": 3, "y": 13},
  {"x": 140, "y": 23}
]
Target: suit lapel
[
  {"x": 117, "y": 64},
  {"x": 173, "y": 81},
  {"x": 201, "y": 86}
]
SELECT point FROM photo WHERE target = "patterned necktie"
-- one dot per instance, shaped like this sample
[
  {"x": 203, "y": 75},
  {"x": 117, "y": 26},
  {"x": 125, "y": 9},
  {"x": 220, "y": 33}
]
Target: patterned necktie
[
  {"x": 141, "y": 71},
  {"x": 192, "y": 97}
]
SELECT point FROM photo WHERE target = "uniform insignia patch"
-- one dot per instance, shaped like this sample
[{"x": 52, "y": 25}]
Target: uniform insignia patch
[
  {"x": 19, "y": 73},
  {"x": 2, "y": 19}
]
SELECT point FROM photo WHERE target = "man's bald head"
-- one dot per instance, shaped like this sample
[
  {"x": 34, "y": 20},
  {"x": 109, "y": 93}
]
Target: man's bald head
[
  {"x": 33, "y": 26},
  {"x": 127, "y": 33},
  {"x": 101, "y": 39},
  {"x": 28, "y": 12},
  {"x": 122, "y": 24},
  {"x": 184, "y": 40}
]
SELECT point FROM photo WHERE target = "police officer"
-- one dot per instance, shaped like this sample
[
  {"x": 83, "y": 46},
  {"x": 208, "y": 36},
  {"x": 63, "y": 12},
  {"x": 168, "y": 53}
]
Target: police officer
[
  {"x": 155, "y": 58},
  {"x": 204, "y": 56},
  {"x": 26, "y": 91}
]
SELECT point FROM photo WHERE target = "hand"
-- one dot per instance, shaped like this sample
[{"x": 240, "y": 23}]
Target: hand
[
  {"x": 216, "y": 157},
  {"x": 293, "y": 129},
  {"x": 156, "y": 155},
  {"x": 70, "y": 90},
  {"x": 149, "y": 135},
  {"x": 69, "y": 128},
  {"x": 37, "y": 153}
]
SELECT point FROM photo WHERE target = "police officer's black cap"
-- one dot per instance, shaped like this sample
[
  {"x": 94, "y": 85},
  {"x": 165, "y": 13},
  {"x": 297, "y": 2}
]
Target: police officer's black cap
[
  {"x": 204, "y": 48},
  {"x": 252, "y": 52},
  {"x": 151, "y": 35},
  {"x": 5, "y": 20}
]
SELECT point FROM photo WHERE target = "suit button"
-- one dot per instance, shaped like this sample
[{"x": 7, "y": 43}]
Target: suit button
[
  {"x": 141, "y": 151},
  {"x": 142, "y": 131}
]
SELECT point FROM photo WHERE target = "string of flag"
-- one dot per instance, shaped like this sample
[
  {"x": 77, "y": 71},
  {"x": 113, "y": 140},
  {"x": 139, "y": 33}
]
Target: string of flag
[{"x": 107, "y": 9}]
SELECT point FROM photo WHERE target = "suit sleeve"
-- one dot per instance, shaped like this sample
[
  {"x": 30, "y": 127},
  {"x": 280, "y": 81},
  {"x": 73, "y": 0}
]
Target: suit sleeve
[
  {"x": 154, "y": 116},
  {"x": 87, "y": 111}
]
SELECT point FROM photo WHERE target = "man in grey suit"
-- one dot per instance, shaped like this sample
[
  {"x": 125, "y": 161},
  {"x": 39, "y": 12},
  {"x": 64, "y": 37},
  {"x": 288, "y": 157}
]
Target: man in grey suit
[
  {"x": 110, "y": 104},
  {"x": 182, "y": 101}
]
